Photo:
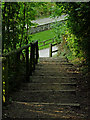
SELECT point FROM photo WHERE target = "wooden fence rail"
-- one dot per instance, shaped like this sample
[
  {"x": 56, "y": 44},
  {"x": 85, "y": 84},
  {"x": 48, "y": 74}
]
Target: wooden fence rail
[
  {"x": 50, "y": 49},
  {"x": 47, "y": 42},
  {"x": 17, "y": 68}
]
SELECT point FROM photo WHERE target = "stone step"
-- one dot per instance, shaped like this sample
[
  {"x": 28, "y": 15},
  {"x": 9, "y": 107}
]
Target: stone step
[
  {"x": 54, "y": 67},
  {"x": 52, "y": 73},
  {"x": 54, "y": 91},
  {"x": 55, "y": 64},
  {"x": 51, "y": 79},
  {"x": 46, "y": 86},
  {"x": 62, "y": 96},
  {"x": 54, "y": 70},
  {"x": 69, "y": 83},
  {"x": 60, "y": 104},
  {"x": 52, "y": 59},
  {"x": 36, "y": 110},
  {"x": 48, "y": 70}
]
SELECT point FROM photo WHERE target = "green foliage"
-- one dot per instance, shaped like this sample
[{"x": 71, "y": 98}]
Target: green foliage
[
  {"x": 78, "y": 28},
  {"x": 16, "y": 20},
  {"x": 43, "y": 8},
  {"x": 59, "y": 29}
]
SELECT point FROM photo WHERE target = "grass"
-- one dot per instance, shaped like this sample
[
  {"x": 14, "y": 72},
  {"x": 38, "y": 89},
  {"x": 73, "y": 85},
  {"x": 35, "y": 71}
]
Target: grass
[
  {"x": 44, "y": 35},
  {"x": 41, "y": 17}
]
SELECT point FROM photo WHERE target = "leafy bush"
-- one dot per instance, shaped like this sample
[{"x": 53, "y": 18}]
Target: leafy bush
[{"x": 78, "y": 27}]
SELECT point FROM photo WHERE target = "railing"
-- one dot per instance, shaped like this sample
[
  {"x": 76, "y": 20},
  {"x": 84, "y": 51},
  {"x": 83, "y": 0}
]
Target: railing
[
  {"x": 17, "y": 66},
  {"x": 46, "y": 42},
  {"x": 50, "y": 49},
  {"x": 51, "y": 42}
]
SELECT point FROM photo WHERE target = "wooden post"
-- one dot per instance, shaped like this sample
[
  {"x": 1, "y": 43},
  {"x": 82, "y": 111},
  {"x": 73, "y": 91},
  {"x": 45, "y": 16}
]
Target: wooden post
[
  {"x": 27, "y": 64},
  {"x": 37, "y": 54},
  {"x": 5, "y": 80},
  {"x": 30, "y": 70},
  {"x": 53, "y": 40},
  {"x": 33, "y": 56},
  {"x": 50, "y": 50}
]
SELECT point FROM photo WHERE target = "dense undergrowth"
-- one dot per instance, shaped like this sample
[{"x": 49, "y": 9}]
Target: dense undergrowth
[{"x": 74, "y": 32}]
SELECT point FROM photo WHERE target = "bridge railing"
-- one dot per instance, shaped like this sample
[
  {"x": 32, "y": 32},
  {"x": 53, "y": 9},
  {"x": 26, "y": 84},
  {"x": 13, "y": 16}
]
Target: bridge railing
[{"x": 17, "y": 66}]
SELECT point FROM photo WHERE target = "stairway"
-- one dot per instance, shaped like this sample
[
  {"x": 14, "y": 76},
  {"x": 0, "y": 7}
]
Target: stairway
[{"x": 51, "y": 93}]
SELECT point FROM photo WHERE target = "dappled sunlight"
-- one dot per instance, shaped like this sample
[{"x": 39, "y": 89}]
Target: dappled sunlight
[
  {"x": 72, "y": 71},
  {"x": 48, "y": 110}
]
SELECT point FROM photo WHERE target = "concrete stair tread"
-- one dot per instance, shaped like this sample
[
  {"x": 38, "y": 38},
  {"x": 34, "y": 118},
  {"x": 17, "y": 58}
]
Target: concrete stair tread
[
  {"x": 43, "y": 103},
  {"x": 69, "y": 90},
  {"x": 54, "y": 74},
  {"x": 52, "y": 79},
  {"x": 55, "y": 64},
  {"x": 47, "y": 86},
  {"x": 43, "y": 110},
  {"x": 55, "y": 77},
  {"x": 52, "y": 58},
  {"x": 41, "y": 66},
  {"x": 54, "y": 71},
  {"x": 44, "y": 87},
  {"x": 69, "y": 83},
  {"x": 45, "y": 96},
  {"x": 56, "y": 83}
]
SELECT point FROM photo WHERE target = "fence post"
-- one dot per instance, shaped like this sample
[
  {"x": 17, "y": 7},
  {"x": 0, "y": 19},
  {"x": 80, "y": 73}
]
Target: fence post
[
  {"x": 34, "y": 56},
  {"x": 30, "y": 70},
  {"x": 53, "y": 40},
  {"x": 27, "y": 64},
  {"x": 50, "y": 50},
  {"x": 37, "y": 54},
  {"x": 5, "y": 80}
]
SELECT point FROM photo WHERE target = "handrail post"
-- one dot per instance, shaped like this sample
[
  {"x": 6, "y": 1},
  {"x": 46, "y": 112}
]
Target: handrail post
[
  {"x": 27, "y": 64},
  {"x": 5, "y": 84},
  {"x": 34, "y": 56},
  {"x": 37, "y": 54},
  {"x": 53, "y": 40},
  {"x": 30, "y": 70},
  {"x": 50, "y": 50}
]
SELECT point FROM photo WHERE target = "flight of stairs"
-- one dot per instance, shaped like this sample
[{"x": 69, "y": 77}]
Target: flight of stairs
[{"x": 51, "y": 93}]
